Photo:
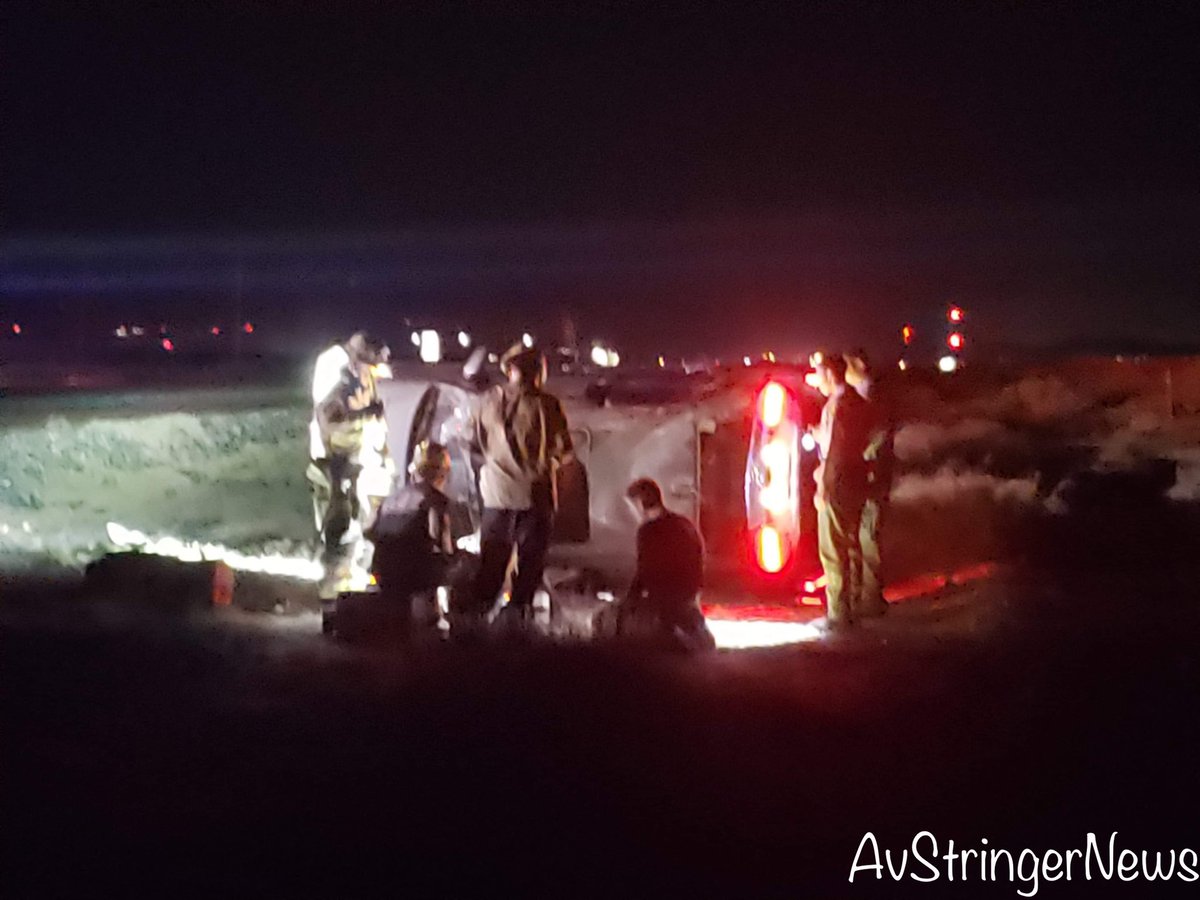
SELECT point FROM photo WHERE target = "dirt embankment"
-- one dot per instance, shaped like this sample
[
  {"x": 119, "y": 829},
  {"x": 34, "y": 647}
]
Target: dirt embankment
[
  {"x": 231, "y": 477},
  {"x": 989, "y": 467},
  {"x": 1009, "y": 468}
]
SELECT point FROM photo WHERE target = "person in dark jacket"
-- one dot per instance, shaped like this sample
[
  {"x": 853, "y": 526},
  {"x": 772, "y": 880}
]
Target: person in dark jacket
[
  {"x": 663, "y": 599},
  {"x": 843, "y": 478},
  {"x": 880, "y": 457},
  {"x": 411, "y": 532}
]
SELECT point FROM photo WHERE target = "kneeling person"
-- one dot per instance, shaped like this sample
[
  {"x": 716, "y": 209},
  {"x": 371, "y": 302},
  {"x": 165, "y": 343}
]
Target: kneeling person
[
  {"x": 664, "y": 597},
  {"x": 411, "y": 533}
]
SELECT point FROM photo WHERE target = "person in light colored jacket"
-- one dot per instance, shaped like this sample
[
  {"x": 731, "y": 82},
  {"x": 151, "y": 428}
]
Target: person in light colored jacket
[{"x": 522, "y": 434}]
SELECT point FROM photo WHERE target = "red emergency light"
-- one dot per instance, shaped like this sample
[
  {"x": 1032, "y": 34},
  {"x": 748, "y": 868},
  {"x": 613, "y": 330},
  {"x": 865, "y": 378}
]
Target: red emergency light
[
  {"x": 770, "y": 550},
  {"x": 955, "y": 341},
  {"x": 955, "y": 314},
  {"x": 772, "y": 404},
  {"x": 16, "y": 329},
  {"x": 907, "y": 334},
  {"x": 214, "y": 331},
  {"x": 168, "y": 345},
  {"x": 248, "y": 328},
  {"x": 773, "y": 480}
]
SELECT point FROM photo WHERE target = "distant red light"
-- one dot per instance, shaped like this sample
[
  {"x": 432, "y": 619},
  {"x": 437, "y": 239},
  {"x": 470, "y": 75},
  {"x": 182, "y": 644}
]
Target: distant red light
[
  {"x": 214, "y": 331},
  {"x": 248, "y": 328},
  {"x": 168, "y": 345},
  {"x": 955, "y": 314},
  {"x": 955, "y": 341},
  {"x": 907, "y": 333},
  {"x": 16, "y": 329}
]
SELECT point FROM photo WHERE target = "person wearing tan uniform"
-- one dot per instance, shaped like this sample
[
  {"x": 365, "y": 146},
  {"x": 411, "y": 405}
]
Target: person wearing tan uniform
[
  {"x": 881, "y": 464},
  {"x": 522, "y": 433},
  {"x": 842, "y": 486}
]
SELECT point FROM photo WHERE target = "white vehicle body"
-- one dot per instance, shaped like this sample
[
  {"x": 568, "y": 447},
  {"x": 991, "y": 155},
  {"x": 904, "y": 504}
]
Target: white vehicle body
[{"x": 700, "y": 437}]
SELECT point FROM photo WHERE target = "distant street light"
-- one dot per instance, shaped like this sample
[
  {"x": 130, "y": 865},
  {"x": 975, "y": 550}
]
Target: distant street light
[
  {"x": 430, "y": 346},
  {"x": 605, "y": 357}
]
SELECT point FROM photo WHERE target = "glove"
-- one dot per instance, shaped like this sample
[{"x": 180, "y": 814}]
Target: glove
[{"x": 374, "y": 410}]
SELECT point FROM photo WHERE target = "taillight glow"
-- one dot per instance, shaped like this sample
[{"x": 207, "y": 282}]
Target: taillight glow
[
  {"x": 775, "y": 457},
  {"x": 955, "y": 341},
  {"x": 769, "y": 548},
  {"x": 772, "y": 404},
  {"x": 774, "y": 499},
  {"x": 777, "y": 462},
  {"x": 772, "y": 479},
  {"x": 168, "y": 344}
]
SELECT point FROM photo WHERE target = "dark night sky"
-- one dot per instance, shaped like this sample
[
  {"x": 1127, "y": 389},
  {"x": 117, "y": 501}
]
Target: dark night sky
[{"x": 736, "y": 174}]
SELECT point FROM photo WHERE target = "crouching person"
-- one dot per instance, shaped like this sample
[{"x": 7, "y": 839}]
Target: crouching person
[
  {"x": 663, "y": 602},
  {"x": 414, "y": 553}
]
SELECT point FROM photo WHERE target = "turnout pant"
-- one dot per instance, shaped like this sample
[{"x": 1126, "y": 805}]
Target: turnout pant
[
  {"x": 529, "y": 531},
  {"x": 343, "y": 504},
  {"x": 337, "y": 507},
  {"x": 838, "y": 527},
  {"x": 870, "y": 532}
]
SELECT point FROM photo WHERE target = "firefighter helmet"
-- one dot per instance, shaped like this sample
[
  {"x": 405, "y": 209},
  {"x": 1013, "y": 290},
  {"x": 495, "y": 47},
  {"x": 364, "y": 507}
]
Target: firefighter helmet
[{"x": 529, "y": 361}]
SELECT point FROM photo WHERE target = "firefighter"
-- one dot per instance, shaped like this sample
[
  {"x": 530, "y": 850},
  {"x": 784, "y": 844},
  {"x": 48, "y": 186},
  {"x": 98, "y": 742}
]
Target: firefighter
[
  {"x": 663, "y": 600},
  {"x": 345, "y": 438},
  {"x": 881, "y": 459},
  {"x": 414, "y": 553},
  {"x": 842, "y": 479},
  {"x": 522, "y": 434}
]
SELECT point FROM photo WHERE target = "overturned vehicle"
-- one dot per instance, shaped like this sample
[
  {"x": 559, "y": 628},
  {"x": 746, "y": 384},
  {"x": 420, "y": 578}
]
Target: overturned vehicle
[{"x": 728, "y": 447}]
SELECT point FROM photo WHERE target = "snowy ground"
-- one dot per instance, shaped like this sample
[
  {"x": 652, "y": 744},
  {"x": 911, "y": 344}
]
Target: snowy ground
[
  {"x": 229, "y": 469},
  {"x": 981, "y": 461}
]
